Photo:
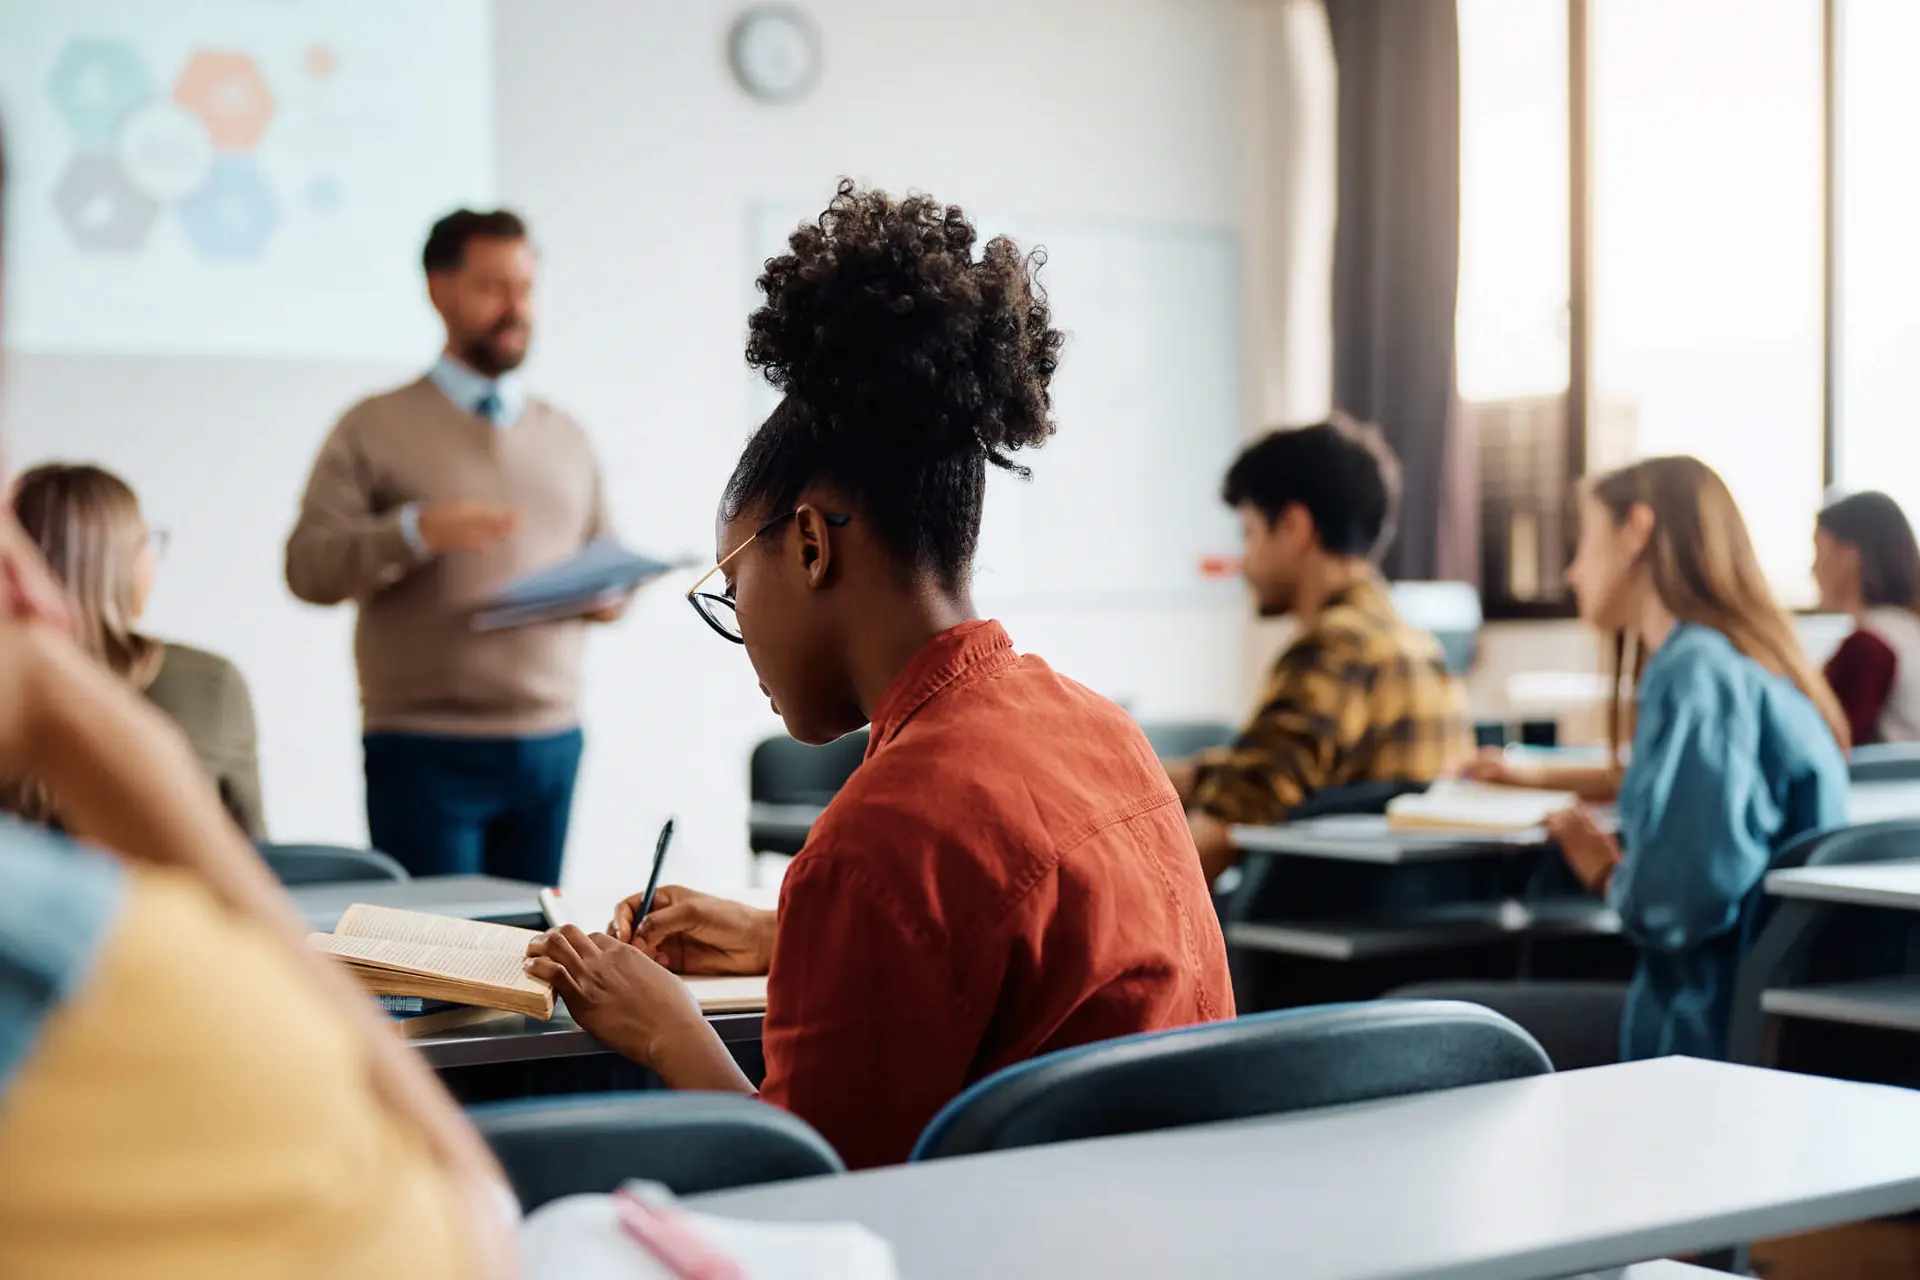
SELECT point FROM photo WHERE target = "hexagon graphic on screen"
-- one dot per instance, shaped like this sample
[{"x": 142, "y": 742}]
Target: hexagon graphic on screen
[
  {"x": 96, "y": 84},
  {"x": 228, "y": 93},
  {"x": 101, "y": 210},
  {"x": 232, "y": 215}
]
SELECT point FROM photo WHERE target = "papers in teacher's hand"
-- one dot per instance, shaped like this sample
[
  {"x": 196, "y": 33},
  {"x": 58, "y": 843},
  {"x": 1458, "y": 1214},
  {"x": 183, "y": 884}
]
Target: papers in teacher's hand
[
  {"x": 1476, "y": 806},
  {"x": 601, "y": 574}
]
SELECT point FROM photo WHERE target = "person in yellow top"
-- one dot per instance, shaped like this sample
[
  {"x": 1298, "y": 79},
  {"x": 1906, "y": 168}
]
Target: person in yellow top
[{"x": 186, "y": 1090}]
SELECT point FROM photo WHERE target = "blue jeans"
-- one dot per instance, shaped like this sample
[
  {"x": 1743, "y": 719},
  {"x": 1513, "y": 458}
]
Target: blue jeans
[{"x": 449, "y": 806}]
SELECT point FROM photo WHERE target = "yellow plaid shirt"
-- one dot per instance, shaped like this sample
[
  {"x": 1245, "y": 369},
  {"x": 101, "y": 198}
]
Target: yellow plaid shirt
[{"x": 1359, "y": 696}]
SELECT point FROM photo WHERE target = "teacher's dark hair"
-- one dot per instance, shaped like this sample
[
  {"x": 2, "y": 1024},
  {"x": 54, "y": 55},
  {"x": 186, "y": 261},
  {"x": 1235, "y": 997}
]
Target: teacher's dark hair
[
  {"x": 1873, "y": 524},
  {"x": 907, "y": 365},
  {"x": 446, "y": 246}
]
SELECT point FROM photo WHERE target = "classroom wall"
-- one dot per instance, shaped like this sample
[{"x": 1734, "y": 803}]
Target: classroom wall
[{"x": 622, "y": 137}]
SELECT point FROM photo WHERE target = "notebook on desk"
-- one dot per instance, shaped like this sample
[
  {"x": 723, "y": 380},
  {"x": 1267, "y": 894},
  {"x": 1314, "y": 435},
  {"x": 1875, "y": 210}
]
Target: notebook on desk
[
  {"x": 394, "y": 953},
  {"x": 1475, "y": 806}
]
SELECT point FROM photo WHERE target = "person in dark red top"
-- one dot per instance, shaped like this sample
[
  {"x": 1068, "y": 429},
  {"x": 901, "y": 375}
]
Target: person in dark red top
[
  {"x": 1867, "y": 566},
  {"x": 1009, "y": 872}
]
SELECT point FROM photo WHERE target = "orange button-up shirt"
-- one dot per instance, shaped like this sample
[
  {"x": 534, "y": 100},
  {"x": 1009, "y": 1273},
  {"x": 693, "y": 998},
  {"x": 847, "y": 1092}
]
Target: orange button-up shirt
[{"x": 1008, "y": 873}]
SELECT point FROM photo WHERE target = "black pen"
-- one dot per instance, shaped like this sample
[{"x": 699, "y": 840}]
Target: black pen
[{"x": 653, "y": 881}]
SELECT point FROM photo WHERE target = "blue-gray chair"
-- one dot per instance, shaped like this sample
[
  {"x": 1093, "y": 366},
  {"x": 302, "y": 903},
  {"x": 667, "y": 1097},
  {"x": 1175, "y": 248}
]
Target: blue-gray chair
[
  {"x": 690, "y": 1142},
  {"x": 1262, "y": 1064},
  {"x": 297, "y": 864},
  {"x": 782, "y": 771}
]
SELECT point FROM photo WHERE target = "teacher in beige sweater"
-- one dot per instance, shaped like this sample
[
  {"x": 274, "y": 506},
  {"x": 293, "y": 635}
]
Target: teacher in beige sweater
[{"x": 423, "y": 501}]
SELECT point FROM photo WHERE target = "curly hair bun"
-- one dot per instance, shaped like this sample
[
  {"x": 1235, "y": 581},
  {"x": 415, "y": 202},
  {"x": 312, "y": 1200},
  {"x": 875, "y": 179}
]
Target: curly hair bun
[{"x": 886, "y": 329}]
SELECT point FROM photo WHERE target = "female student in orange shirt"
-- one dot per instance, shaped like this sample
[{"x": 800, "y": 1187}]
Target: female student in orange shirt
[{"x": 1009, "y": 872}]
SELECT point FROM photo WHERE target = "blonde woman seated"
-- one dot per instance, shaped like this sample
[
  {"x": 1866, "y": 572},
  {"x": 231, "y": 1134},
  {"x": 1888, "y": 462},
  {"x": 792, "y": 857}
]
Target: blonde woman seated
[{"x": 87, "y": 523}]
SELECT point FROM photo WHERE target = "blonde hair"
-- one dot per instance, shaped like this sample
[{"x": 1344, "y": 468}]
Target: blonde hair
[
  {"x": 1704, "y": 571},
  {"x": 87, "y": 523}
]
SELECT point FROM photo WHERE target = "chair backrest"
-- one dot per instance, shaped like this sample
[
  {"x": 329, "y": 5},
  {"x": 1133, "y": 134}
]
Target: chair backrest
[
  {"x": 1262, "y": 1064},
  {"x": 691, "y": 1142},
  {"x": 1180, "y": 739},
  {"x": 297, "y": 864},
  {"x": 782, "y": 771},
  {"x": 1885, "y": 762},
  {"x": 1449, "y": 611},
  {"x": 1783, "y": 951}
]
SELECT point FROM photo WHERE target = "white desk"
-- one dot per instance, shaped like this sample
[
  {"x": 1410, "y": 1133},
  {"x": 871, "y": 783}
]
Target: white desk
[
  {"x": 1460, "y": 925},
  {"x": 1870, "y": 884},
  {"x": 1879, "y": 801},
  {"x": 1366, "y": 837},
  {"x": 530, "y": 1040},
  {"x": 1891, "y": 1003},
  {"x": 469, "y": 897},
  {"x": 1548, "y": 1177}
]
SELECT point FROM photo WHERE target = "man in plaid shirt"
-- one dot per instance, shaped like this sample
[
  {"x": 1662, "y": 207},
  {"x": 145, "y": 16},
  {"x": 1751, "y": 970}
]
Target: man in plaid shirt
[{"x": 1359, "y": 696}]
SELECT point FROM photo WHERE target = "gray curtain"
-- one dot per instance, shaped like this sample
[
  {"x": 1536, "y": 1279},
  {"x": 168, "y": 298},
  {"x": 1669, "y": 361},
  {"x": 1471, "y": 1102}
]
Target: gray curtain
[{"x": 1396, "y": 266}]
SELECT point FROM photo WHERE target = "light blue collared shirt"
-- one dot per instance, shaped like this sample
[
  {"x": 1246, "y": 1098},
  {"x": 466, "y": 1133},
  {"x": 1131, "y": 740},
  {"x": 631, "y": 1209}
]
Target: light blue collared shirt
[
  {"x": 499, "y": 400},
  {"x": 470, "y": 390}
]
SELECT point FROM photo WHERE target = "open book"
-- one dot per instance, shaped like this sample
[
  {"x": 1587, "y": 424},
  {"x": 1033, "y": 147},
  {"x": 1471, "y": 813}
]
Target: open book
[
  {"x": 1476, "y": 806},
  {"x": 411, "y": 953}
]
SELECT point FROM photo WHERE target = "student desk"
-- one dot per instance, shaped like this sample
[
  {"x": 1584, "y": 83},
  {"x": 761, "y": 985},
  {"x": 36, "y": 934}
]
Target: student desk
[
  {"x": 469, "y": 897},
  {"x": 522, "y": 1057},
  {"x": 530, "y": 1040},
  {"x": 1892, "y": 1002},
  {"x": 1878, "y": 801},
  {"x": 1528, "y": 1179},
  {"x": 1366, "y": 837}
]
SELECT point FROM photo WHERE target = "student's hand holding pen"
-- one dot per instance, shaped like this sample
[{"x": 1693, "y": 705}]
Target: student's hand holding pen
[{"x": 696, "y": 933}]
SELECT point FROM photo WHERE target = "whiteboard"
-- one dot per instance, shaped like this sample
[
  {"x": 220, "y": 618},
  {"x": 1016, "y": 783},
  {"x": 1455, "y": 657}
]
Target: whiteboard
[{"x": 1124, "y": 502}]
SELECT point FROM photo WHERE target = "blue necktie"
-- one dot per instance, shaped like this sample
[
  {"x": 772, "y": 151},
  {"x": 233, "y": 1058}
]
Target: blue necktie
[{"x": 490, "y": 407}]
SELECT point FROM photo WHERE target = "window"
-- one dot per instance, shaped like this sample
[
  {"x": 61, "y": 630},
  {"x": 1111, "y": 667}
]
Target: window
[
  {"x": 1707, "y": 210},
  {"x": 1877, "y": 317},
  {"x": 1651, "y": 280}
]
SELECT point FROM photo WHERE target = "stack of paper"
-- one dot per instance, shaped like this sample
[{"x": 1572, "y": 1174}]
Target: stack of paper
[
  {"x": 602, "y": 572},
  {"x": 1476, "y": 806},
  {"x": 580, "y": 1238}
]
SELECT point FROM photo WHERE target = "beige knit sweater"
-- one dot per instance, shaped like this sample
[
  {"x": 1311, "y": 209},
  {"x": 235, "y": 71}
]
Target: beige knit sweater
[{"x": 422, "y": 667}]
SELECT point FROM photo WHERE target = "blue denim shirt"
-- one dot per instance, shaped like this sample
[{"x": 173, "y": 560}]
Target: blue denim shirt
[
  {"x": 58, "y": 903},
  {"x": 1730, "y": 763}
]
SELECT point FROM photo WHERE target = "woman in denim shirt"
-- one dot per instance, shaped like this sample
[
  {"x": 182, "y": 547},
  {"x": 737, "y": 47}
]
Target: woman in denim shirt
[{"x": 1737, "y": 743}]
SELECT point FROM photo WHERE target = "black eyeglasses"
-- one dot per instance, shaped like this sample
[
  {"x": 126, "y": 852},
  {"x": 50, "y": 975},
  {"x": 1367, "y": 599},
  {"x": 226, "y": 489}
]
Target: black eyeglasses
[{"x": 719, "y": 610}]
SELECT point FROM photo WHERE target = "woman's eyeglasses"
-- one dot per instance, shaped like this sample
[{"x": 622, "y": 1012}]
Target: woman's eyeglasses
[
  {"x": 158, "y": 540},
  {"x": 718, "y": 608}
]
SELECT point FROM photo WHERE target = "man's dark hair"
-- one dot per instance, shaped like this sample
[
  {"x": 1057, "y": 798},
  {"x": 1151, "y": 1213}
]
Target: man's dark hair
[
  {"x": 1341, "y": 471},
  {"x": 1873, "y": 523},
  {"x": 907, "y": 364},
  {"x": 447, "y": 242}
]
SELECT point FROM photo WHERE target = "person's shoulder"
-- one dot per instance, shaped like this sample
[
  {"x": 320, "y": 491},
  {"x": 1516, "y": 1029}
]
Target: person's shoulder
[{"x": 184, "y": 661}]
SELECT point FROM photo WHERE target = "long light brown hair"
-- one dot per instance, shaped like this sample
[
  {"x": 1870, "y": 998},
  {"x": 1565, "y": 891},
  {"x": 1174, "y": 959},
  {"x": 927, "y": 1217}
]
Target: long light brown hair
[
  {"x": 87, "y": 524},
  {"x": 1703, "y": 569}
]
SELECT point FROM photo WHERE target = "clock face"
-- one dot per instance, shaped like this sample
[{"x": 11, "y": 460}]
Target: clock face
[{"x": 775, "y": 53}]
